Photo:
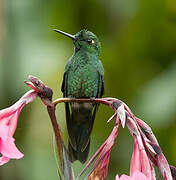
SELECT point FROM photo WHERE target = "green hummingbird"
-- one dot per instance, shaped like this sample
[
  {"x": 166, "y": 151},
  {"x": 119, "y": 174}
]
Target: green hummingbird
[{"x": 83, "y": 78}]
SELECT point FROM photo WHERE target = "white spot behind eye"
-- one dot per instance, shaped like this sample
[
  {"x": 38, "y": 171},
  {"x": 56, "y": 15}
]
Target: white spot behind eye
[{"x": 93, "y": 41}]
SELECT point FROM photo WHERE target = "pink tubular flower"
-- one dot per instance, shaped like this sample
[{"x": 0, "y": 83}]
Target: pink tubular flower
[
  {"x": 136, "y": 176},
  {"x": 140, "y": 160},
  {"x": 8, "y": 123}
]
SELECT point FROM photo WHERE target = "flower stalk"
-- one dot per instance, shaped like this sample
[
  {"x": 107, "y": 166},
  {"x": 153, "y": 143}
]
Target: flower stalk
[{"x": 145, "y": 155}]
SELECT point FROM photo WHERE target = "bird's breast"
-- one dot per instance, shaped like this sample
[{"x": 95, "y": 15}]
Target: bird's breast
[{"x": 83, "y": 81}]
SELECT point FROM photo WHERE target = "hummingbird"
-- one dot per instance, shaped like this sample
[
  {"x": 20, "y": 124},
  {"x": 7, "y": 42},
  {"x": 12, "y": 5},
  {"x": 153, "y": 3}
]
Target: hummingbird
[{"x": 83, "y": 78}]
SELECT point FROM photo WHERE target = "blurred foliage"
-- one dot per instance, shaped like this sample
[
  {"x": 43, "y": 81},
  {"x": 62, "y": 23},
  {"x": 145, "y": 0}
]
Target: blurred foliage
[{"x": 139, "y": 57}]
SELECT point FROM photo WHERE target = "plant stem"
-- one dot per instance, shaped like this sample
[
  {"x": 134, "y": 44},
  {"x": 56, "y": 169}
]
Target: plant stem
[{"x": 56, "y": 128}]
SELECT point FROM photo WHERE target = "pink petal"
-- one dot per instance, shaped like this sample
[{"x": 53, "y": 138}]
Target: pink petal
[
  {"x": 4, "y": 130},
  {"x": 14, "y": 119},
  {"x": 29, "y": 97},
  {"x": 7, "y": 146},
  {"x": 9, "y": 116},
  {"x": 136, "y": 176},
  {"x": 145, "y": 164},
  {"x": 6, "y": 114},
  {"x": 135, "y": 160},
  {"x": 3, "y": 160},
  {"x": 8, "y": 123},
  {"x": 139, "y": 176},
  {"x": 140, "y": 161},
  {"x": 9, "y": 149},
  {"x": 125, "y": 177}
]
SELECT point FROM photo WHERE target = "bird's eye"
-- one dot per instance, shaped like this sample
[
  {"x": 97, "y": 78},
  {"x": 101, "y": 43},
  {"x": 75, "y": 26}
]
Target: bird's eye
[{"x": 90, "y": 41}]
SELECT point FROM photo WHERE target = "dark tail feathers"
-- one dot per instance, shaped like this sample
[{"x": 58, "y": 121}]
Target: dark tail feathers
[
  {"x": 80, "y": 124},
  {"x": 77, "y": 154}
]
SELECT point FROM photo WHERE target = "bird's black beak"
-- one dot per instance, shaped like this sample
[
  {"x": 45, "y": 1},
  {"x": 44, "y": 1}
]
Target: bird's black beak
[{"x": 66, "y": 34}]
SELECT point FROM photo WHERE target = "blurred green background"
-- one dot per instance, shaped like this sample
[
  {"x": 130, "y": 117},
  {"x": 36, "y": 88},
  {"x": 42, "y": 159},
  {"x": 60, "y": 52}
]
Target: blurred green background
[{"x": 139, "y": 56}]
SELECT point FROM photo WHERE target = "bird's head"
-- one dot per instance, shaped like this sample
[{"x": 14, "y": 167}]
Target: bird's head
[{"x": 84, "y": 40}]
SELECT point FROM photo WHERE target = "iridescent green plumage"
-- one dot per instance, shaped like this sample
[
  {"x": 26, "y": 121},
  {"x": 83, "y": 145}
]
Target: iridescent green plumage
[{"x": 83, "y": 78}]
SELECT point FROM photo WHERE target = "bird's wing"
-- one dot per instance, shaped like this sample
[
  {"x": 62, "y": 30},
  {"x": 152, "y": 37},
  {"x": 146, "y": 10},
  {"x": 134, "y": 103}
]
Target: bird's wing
[
  {"x": 68, "y": 111},
  {"x": 100, "y": 80},
  {"x": 64, "y": 81},
  {"x": 64, "y": 84},
  {"x": 101, "y": 85}
]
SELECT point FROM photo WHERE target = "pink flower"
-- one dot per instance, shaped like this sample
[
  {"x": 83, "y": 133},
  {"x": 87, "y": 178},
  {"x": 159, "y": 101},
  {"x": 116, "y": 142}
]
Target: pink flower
[
  {"x": 8, "y": 123},
  {"x": 136, "y": 176},
  {"x": 140, "y": 160}
]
